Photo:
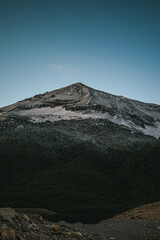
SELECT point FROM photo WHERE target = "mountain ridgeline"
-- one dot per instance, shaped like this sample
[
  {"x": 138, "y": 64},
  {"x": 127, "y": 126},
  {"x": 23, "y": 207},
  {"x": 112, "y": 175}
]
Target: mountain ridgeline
[{"x": 83, "y": 153}]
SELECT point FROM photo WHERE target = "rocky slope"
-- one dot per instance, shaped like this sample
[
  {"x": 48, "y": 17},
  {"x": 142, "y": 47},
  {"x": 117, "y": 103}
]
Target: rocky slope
[
  {"x": 150, "y": 212},
  {"x": 19, "y": 226},
  {"x": 29, "y": 225}
]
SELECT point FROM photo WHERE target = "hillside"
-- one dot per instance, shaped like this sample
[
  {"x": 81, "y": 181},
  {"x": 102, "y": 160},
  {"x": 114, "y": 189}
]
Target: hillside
[{"x": 82, "y": 149}]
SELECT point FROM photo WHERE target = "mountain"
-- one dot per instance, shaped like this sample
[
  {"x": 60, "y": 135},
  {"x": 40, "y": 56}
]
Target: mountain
[
  {"x": 84, "y": 153},
  {"x": 78, "y": 101}
]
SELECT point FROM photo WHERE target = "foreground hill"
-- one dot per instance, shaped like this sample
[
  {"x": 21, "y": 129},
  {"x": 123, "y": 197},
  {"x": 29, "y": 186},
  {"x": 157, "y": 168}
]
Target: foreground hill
[
  {"x": 83, "y": 153},
  {"x": 28, "y": 224},
  {"x": 148, "y": 212}
]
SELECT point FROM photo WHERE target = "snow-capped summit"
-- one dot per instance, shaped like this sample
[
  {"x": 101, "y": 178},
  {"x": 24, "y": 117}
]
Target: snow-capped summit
[{"x": 78, "y": 101}]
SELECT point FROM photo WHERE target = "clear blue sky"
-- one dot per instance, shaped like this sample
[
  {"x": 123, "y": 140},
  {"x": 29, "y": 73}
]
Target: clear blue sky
[{"x": 110, "y": 45}]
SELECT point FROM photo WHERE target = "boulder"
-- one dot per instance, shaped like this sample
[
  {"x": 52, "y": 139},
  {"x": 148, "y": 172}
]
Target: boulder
[{"x": 7, "y": 233}]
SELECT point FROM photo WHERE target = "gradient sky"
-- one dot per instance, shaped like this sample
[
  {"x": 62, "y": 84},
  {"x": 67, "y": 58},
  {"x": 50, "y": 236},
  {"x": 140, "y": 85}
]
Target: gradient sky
[{"x": 110, "y": 45}]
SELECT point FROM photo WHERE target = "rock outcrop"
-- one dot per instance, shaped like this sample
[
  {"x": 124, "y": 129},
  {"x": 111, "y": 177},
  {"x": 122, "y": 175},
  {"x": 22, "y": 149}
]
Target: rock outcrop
[
  {"x": 20, "y": 226},
  {"x": 127, "y": 226}
]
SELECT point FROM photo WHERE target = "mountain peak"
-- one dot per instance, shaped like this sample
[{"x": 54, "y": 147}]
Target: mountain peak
[
  {"x": 78, "y": 84},
  {"x": 78, "y": 101}
]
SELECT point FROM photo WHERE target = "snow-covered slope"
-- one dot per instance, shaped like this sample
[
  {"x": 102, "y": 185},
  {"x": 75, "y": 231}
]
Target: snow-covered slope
[{"x": 78, "y": 101}]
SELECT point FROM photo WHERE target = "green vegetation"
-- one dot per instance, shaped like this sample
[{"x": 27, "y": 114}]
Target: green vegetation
[{"x": 81, "y": 181}]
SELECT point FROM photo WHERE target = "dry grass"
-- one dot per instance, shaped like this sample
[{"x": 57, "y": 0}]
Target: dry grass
[{"x": 149, "y": 211}]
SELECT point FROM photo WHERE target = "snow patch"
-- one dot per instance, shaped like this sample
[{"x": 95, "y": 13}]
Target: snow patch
[
  {"x": 152, "y": 131},
  {"x": 38, "y": 115},
  {"x": 148, "y": 130}
]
